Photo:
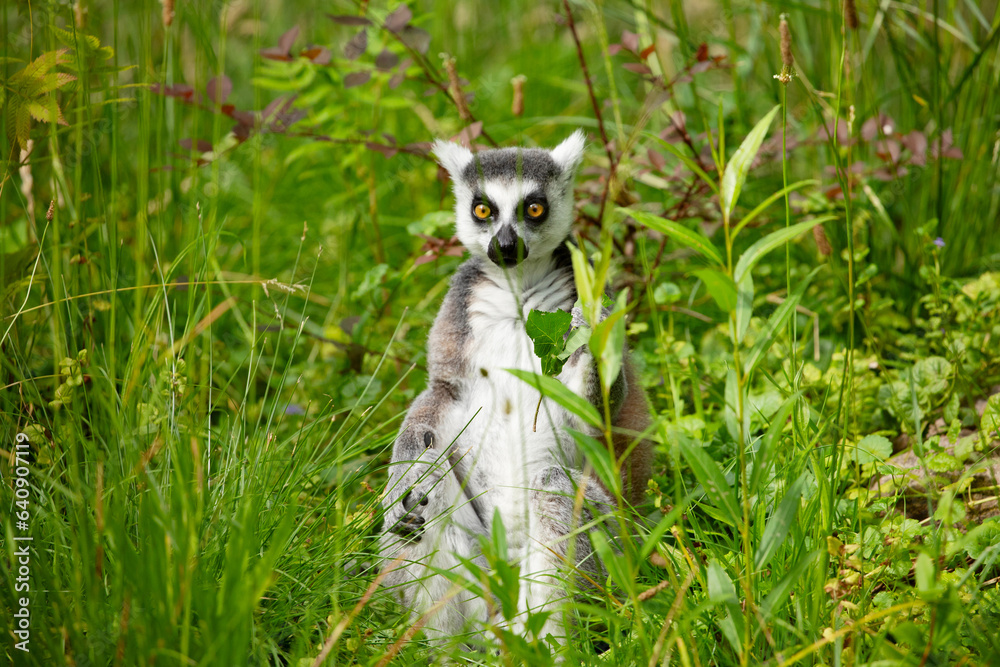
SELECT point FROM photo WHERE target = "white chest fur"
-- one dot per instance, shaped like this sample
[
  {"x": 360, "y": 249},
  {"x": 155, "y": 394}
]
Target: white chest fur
[{"x": 513, "y": 435}]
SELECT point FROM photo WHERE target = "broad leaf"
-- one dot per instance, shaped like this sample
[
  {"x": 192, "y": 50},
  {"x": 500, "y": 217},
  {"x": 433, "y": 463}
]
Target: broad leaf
[
  {"x": 990, "y": 423},
  {"x": 730, "y": 413},
  {"x": 925, "y": 576},
  {"x": 744, "y": 307},
  {"x": 596, "y": 452},
  {"x": 722, "y": 591},
  {"x": 608, "y": 343},
  {"x": 720, "y": 286},
  {"x": 739, "y": 165},
  {"x": 770, "y": 440},
  {"x": 710, "y": 476},
  {"x": 548, "y": 331},
  {"x": 779, "y": 523},
  {"x": 587, "y": 288},
  {"x": 560, "y": 393},
  {"x": 677, "y": 232},
  {"x": 872, "y": 448},
  {"x": 752, "y": 215},
  {"x": 756, "y": 252},
  {"x": 780, "y": 592}
]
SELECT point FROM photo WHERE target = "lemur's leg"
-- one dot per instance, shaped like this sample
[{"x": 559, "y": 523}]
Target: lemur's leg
[
  {"x": 559, "y": 549},
  {"x": 428, "y": 523}
]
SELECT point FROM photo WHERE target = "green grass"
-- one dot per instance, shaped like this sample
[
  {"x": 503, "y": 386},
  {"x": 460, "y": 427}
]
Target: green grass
[{"x": 210, "y": 346}]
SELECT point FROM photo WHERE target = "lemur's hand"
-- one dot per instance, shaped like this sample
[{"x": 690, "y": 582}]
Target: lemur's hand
[{"x": 415, "y": 472}]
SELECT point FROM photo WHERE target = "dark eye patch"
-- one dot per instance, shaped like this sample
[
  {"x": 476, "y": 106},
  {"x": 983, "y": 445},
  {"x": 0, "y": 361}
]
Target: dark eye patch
[
  {"x": 536, "y": 197},
  {"x": 477, "y": 199}
]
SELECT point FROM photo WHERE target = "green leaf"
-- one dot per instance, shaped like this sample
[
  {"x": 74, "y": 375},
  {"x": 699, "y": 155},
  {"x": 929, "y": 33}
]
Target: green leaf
[
  {"x": 431, "y": 222},
  {"x": 720, "y": 586},
  {"x": 739, "y": 165},
  {"x": 720, "y": 286},
  {"x": 596, "y": 452},
  {"x": 752, "y": 215},
  {"x": 77, "y": 40},
  {"x": 779, "y": 523},
  {"x": 587, "y": 289},
  {"x": 710, "y": 476},
  {"x": 678, "y": 233},
  {"x": 776, "y": 323},
  {"x": 40, "y": 66},
  {"x": 666, "y": 293},
  {"x": 560, "y": 393},
  {"x": 757, "y": 251},
  {"x": 40, "y": 113},
  {"x": 770, "y": 441},
  {"x": 932, "y": 375},
  {"x": 52, "y": 82},
  {"x": 990, "y": 423},
  {"x": 872, "y": 448},
  {"x": 577, "y": 339},
  {"x": 371, "y": 281},
  {"x": 22, "y": 126},
  {"x": 608, "y": 343},
  {"x": 780, "y": 592},
  {"x": 722, "y": 591},
  {"x": 730, "y": 409},
  {"x": 547, "y": 331},
  {"x": 744, "y": 307},
  {"x": 944, "y": 462},
  {"x": 615, "y": 564},
  {"x": 924, "y": 571},
  {"x": 499, "y": 534}
]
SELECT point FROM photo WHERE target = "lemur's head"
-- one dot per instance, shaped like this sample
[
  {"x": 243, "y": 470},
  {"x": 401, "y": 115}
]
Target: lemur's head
[{"x": 512, "y": 203}]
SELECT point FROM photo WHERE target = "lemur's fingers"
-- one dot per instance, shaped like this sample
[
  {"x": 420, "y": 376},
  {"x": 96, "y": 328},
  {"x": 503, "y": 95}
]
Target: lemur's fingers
[{"x": 410, "y": 526}]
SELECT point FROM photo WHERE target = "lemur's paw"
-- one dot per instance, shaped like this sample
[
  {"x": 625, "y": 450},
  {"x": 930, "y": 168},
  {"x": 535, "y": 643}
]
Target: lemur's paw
[
  {"x": 410, "y": 526},
  {"x": 414, "y": 501}
]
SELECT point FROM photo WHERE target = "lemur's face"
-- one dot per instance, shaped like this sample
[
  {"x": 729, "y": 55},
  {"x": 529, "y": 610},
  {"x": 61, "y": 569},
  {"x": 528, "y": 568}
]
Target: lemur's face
[{"x": 512, "y": 203}]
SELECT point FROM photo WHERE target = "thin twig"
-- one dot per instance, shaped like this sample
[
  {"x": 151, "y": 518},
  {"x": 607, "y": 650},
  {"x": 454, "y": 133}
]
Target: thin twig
[
  {"x": 612, "y": 163},
  {"x": 431, "y": 75},
  {"x": 586, "y": 76}
]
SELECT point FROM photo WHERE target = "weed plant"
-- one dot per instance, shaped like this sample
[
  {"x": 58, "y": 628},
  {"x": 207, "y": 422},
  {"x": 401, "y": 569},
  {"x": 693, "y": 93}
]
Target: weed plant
[{"x": 223, "y": 240}]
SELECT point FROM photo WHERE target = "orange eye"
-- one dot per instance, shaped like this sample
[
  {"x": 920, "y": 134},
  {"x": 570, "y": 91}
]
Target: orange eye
[
  {"x": 535, "y": 210},
  {"x": 482, "y": 211}
]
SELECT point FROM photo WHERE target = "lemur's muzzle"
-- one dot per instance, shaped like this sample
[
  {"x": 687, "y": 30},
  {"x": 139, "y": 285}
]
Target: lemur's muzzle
[{"x": 507, "y": 248}]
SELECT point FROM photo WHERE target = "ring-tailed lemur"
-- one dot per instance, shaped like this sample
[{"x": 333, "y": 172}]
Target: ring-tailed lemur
[{"x": 470, "y": 445}]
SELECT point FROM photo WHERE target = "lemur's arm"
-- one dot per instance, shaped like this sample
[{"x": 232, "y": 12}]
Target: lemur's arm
[{"x": 425, "y": 477}]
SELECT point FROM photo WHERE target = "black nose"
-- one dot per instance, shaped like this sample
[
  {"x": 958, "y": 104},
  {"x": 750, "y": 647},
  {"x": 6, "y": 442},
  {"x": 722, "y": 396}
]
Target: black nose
[{"x": 507, "y": 248}]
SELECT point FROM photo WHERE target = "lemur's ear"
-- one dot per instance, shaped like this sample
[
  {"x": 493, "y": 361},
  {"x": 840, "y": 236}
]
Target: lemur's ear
[
  {"x": 569, "y": 153},
  {"x": 453, "y": 157}
]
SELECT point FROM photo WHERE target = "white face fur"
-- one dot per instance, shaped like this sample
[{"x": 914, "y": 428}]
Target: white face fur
[{"x": 507, "y": 194}]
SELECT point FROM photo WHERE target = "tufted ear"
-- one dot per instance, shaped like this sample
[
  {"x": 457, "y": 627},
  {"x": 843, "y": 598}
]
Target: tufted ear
[
  {"x": 452, "y": 157},
  {"x": 569, "y": 153}
]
